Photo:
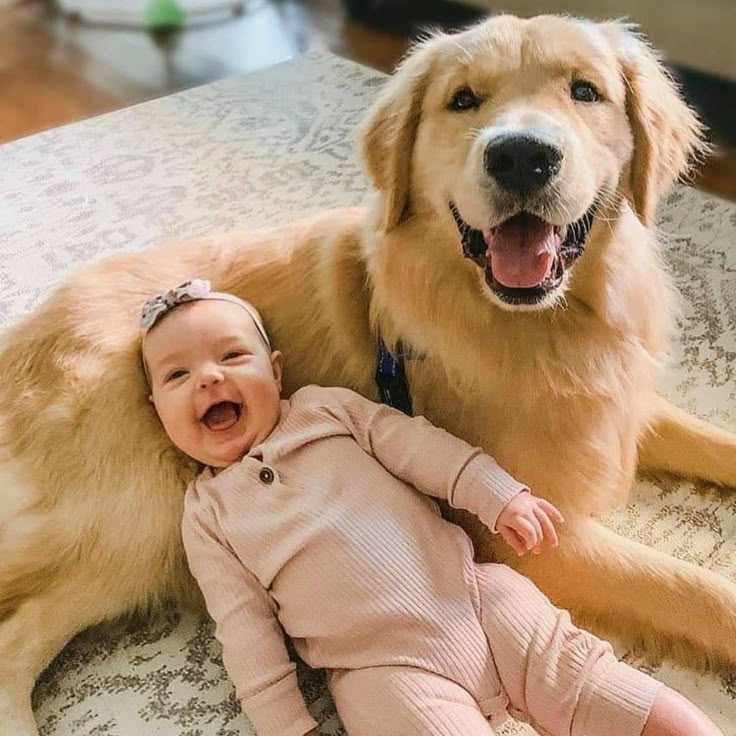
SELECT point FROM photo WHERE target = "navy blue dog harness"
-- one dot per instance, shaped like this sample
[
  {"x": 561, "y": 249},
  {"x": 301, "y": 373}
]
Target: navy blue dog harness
[{"x": 391, "y": 378}]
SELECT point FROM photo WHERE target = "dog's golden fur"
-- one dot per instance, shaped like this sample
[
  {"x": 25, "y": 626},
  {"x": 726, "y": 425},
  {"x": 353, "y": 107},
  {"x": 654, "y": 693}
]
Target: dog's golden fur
[{"x": 563, "y": 396}]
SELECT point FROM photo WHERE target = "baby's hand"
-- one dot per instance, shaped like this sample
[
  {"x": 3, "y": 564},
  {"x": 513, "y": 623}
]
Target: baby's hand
[{"x": 526, "y": 521}]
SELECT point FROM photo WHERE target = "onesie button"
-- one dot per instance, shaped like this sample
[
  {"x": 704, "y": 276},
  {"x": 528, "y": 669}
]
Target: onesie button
[{"x": 266, "y": 476}]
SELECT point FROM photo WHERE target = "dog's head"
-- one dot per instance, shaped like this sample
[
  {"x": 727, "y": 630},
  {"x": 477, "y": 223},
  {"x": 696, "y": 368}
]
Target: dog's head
[{"x": 525, "y": 132}]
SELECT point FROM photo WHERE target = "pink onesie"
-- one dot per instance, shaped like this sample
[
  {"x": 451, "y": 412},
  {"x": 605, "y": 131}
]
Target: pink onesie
[{"x": 326, "y": 531}]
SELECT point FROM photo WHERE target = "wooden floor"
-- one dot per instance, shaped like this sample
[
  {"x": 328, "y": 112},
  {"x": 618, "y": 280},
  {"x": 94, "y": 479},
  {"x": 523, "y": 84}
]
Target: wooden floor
[{"x": 54, "y": 70}]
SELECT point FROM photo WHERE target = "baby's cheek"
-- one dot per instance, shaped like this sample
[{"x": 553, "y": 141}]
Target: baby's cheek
[{"x": 172, "y": 419}]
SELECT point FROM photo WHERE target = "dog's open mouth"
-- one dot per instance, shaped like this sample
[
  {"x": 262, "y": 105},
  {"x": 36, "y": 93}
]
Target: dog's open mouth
[
  {"x": 222, "y": 416},
  {"x": 524, "y": 258}
]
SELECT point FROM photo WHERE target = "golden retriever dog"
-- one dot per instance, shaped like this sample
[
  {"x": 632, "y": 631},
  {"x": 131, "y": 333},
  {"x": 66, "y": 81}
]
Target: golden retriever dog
[{"x": 509, "y": 245}]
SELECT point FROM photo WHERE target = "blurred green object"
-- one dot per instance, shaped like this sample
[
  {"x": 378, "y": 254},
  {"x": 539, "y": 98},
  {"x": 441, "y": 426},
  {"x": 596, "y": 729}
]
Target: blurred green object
[
  {"x": 164, "y": 14},
  {"x": 152, "y": 15}
]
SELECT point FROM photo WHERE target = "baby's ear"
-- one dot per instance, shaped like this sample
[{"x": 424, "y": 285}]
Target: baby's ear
[{"x": 277, "y": 364}]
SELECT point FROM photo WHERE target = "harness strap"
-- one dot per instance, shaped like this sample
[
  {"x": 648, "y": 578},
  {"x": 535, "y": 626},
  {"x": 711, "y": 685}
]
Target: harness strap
[{"x": 391, "y": 378}]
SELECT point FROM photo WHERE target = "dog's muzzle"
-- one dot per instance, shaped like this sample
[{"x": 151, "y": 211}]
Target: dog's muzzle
[{"x": 524, "y": 258}]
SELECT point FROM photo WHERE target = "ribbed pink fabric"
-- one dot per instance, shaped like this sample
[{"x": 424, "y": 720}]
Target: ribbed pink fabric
[{"x": 309, "y": 534}]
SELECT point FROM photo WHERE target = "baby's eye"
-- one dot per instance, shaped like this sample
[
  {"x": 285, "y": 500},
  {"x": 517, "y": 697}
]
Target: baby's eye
[
  {"x": 232, "y": 354},
  {"x": 178, "y": 373}
]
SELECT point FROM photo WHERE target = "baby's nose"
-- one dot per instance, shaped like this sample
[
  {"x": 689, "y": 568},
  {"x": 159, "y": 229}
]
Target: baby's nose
[{"x": 210, "y": 375}]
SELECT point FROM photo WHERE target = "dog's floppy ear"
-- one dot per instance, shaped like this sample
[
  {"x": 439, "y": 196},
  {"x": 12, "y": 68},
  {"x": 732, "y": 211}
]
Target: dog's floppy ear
[
  {"x": 667, "y": 133},
  {"x": 387, "y": 136}
]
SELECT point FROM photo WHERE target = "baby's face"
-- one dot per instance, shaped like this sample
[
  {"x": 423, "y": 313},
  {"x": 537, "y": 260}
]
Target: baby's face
[{"x": 214, "y": 383}]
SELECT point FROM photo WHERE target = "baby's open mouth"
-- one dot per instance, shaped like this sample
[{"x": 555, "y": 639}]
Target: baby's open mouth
[{"x": 222, "y": 416}]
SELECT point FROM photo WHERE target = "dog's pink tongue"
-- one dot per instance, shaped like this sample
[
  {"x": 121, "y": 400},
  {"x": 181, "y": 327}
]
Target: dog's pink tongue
[
  {"x": 522, "y": 250},
  {"x": 221, "y": 416}
]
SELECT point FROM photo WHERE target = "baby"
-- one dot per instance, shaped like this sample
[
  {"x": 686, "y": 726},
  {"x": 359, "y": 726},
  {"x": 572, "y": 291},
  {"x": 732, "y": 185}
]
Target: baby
[{"x": 312, "y": 518}]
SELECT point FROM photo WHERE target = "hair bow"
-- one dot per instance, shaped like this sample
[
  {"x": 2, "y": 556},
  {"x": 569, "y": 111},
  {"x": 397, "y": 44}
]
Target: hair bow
[{"x": 159, "y": 305}]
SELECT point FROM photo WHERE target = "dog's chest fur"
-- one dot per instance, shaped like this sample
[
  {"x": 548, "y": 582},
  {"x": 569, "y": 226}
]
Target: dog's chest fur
[{"x": 560, "y": 412}]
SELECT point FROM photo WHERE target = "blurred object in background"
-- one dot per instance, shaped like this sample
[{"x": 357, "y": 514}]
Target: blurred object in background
[
  {"x": 56, "y": 68},
  {"x": 150, "y": 13},
  {"x": 65, "y": 60}
]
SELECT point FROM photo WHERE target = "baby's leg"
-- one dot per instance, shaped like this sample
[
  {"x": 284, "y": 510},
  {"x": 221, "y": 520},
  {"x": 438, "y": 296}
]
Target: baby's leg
[
  {"x": 561, "y": 678},
  {"x": 404, "y": 701}
]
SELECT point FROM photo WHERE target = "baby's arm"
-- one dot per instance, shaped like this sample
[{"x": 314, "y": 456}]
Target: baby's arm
[
  {"x": 252, "y": 640},
  {"x": 432, "y": 460}
]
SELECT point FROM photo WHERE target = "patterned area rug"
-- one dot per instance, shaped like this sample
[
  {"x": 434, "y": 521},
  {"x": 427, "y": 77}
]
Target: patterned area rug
[{"x": 239, "y": 154}]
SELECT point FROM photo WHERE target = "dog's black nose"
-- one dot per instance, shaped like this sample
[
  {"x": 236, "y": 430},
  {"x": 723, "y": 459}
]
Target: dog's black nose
[{"x": 521, "y": 164}]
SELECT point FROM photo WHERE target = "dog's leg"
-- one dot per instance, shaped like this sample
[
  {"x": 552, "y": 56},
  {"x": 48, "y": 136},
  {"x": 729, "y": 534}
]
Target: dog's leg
[
  {"x": 616, "y": 586},
  {"x": 30, "y": 637},
  {"x": 679, "y": 443}
]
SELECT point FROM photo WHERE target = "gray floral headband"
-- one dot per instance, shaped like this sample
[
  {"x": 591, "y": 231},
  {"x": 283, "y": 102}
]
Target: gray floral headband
[
  {"x": 161, "y": 304},
  {"x": 191, "y": 291}
]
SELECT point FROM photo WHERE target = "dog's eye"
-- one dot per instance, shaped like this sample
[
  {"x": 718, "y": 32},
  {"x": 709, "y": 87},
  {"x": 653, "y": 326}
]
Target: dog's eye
[
  {"x": 583, "y": 91},
  {"x": 464, "y": 99}
]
